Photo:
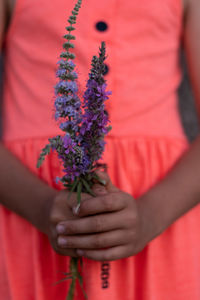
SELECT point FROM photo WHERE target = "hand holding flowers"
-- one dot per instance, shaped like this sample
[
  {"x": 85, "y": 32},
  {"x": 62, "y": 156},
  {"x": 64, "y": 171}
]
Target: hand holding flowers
[
  {"x": 109, "y": 223},
  {"x": 84, "y": 125},
  {"x": 108, "y": 227},
  {"x": 58, "y": 210}
]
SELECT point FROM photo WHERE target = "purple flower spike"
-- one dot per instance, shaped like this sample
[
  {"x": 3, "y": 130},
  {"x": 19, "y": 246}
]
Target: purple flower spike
[
  {"x": 95, "y": 118},
  {"x": 66, "y": 87},
  {"x": 68, "y": 144},
  {"x": 85, "y": 125}
]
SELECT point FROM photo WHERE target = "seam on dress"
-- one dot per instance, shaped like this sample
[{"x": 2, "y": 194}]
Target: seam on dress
[{"x": 109, "y": 137}]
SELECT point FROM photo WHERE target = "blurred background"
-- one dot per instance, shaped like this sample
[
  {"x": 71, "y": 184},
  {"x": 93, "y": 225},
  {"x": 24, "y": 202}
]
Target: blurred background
[{"x": 186, "y": 104}]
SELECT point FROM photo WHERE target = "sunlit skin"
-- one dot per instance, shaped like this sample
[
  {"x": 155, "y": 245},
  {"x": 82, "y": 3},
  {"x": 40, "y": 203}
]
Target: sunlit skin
[{"x": 112, "y": 225}]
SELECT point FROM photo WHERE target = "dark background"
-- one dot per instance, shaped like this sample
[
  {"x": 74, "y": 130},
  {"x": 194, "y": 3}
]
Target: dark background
[{"x": 185, "y": 105}]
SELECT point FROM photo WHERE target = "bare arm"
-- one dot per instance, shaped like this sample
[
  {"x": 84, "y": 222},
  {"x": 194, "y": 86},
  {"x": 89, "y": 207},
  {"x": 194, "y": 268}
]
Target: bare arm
[
  {"x": 2, "y": 20},
  {"x": 20, "y": 190},
  {"x": 192, "y": 46},
  {"x": 23, "y": 192},
  {"x": 180, "y": 190}
]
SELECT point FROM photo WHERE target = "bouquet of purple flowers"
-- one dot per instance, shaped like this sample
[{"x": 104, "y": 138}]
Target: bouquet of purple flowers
[{"x": 84, "y": 125}]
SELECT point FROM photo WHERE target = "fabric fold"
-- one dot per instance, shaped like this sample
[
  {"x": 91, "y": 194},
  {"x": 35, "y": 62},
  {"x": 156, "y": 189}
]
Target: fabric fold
[{"x": 135, "y": 164}]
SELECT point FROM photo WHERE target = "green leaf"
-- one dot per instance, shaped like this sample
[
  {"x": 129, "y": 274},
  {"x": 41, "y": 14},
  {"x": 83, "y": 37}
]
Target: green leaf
[
  {"x": 70, "y": 28},
  {"x": 88, "y": 189},
  {"x": 69, "y": 37},
  {"x": 73, "y": 188},
  {"x": 46, "y": 150},
  {"x": 62, "y": 280},
  {"x": 103, "y": 182},
  {"x": 70, "y": 295},
  {"x": 68, "y": 185},
  {"x": 68, "y": 76},
  {"x": 80, "y": 279},
  {"x": 66, "y": 274},
  {"x": 40, "y": 161},
  {"x": 68, "y": 45},
  {"x": 73, "y": 18},
  {"x": 71, "y": 22},
  {"x": 79, "y": 190},
  {"x": 67, "y": 55}
]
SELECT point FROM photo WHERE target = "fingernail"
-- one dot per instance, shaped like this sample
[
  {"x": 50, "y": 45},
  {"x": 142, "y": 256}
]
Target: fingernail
[
  {"x": 60, "y": 229},
  {"x": 103, "y": 182},
  {"x": 80, "y": 252},
  {"x": 62, "y": 241},
  {"x": 76, "y": 209}
]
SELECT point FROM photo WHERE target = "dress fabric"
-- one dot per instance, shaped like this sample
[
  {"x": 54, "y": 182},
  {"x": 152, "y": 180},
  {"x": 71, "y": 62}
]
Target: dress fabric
[{"x": 146, "y": 141}]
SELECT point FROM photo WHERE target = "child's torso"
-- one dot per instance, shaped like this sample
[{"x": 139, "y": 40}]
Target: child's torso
[{"x": 142, "y": 39}]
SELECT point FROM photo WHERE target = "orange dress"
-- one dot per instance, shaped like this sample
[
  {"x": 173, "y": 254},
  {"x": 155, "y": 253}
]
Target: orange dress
[{"x": 147, "y": 139}]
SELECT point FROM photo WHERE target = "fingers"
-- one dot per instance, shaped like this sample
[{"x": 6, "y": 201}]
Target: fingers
[
  {"x": 99, "y": 189},
  {"x": 101, "y": 204},
  {"x": 93, "y": 224},
  {"x": 60, "y": 250},
  {"x": 105, "y": 254},
  {"x": 63, "y": 205},
  {"x": 65, "y": 252},
  {"x": 94, "y": 241}
]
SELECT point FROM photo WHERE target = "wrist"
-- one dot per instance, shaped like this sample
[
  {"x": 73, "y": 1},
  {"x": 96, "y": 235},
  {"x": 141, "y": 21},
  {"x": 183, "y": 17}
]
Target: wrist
[
  {"x": 41, "y": 219},
  {"x": 154, "y": 220}
]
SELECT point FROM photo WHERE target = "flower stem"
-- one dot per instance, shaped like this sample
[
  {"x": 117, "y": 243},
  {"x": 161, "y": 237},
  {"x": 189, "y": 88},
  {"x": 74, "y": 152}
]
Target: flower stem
[{"x": 76, "y": 277}]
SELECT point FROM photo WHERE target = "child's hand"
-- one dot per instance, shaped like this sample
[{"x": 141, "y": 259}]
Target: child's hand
[
  {"x": 109, "y": 227},
  {"x": 61, "y": 210}
]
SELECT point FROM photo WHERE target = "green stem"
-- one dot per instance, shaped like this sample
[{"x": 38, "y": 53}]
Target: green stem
[{"x": 76, "y": 277}]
